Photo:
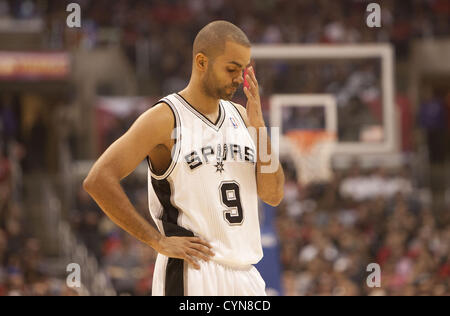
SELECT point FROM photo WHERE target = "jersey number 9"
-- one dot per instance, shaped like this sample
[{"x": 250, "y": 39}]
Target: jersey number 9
[{"x": 231, "y": 198}]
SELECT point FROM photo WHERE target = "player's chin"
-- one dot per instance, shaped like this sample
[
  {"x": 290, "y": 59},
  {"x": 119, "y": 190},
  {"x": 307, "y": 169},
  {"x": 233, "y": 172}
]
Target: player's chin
[{"x": 229, "y": 95}]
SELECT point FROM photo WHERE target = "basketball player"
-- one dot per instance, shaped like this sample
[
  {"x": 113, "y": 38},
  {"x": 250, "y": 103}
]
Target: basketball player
[{"x": 204, "y": 175}]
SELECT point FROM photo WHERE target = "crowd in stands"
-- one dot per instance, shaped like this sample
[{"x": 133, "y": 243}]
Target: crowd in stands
[
  {"x": 142, "y": 27},
  {"x": 330, "y": 232},
  {"x": 23, "y": 269},
  {"x": 152, "y": 22}
]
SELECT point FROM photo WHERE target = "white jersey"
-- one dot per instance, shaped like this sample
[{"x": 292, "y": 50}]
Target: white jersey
[{"x": 209, "y": 189}]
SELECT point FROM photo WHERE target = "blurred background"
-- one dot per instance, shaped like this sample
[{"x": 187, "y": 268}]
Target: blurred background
[{"x": 67, "y": 93}]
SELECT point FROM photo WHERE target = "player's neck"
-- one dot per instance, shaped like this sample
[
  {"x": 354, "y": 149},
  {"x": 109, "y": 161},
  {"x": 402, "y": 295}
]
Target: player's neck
[{"x": 201, "y": 102}]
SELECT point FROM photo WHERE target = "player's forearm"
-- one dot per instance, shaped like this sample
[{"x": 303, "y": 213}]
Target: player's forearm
[
  {"x": 269, "y": 175},
  {"x": 110, "y": 196},
  {"x": 271, "y": 186}
]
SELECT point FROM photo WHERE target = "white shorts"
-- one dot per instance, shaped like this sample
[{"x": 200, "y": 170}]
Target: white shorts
[{"x": 175, "y": 277}]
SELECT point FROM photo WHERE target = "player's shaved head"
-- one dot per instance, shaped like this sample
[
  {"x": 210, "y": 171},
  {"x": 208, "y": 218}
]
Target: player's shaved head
[
  {"x": 211, "y": 39},
  {"x": 221, "y": 52}
]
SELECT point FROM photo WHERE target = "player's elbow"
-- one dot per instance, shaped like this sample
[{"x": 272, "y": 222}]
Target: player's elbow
[
  {"x": 88, "y": 184},
  {"x": 91, "y": 182},
  {"x": 274, "y": 199}
]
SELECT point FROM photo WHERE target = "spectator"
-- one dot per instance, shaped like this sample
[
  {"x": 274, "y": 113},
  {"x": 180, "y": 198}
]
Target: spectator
[{"x": 432, "y": 118}]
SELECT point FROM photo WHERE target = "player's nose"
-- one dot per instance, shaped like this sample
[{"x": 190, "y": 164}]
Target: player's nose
[{"x": 240, "y": 79}]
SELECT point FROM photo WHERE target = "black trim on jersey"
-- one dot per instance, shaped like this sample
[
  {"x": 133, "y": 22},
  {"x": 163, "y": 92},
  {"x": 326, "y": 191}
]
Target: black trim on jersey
[
  {"x": 239, "y": 112},
  {"x": 174, "y": 280},
  {"x": 176, "y": 144},
  {"x": 220, "y": 119}
]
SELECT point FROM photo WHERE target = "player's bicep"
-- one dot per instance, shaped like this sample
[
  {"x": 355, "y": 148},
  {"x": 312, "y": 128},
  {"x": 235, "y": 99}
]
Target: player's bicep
[{"x": 127, "y": 152}]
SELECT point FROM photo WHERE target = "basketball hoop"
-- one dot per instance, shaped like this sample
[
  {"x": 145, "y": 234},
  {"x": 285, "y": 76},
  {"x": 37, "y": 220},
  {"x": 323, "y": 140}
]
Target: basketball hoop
[{"x": 311, "y": 151}]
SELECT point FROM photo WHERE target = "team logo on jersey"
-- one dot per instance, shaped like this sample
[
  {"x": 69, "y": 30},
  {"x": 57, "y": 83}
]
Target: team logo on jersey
[
  {"x": 219, "y": 167},
  {"x": 220, "y": 155},
  {"x": 233, "y": 121}
]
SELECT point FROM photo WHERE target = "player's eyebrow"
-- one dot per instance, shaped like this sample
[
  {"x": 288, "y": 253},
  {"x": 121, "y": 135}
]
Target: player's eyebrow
[{"x": 238, "y": 64}]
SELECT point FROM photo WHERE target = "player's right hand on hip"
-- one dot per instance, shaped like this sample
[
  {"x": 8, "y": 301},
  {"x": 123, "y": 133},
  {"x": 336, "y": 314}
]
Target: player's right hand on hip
[{"x": 190, "y": 249}]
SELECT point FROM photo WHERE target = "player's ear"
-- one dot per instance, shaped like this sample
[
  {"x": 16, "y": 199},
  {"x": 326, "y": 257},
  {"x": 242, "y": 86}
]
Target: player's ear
[{"x": 201, "y": 62}]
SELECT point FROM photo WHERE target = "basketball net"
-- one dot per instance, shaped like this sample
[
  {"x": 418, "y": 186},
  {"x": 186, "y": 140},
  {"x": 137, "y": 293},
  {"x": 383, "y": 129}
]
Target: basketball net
[{"x": 311, "y": 151}]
